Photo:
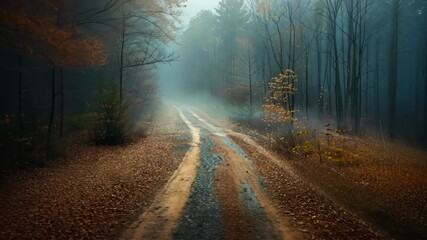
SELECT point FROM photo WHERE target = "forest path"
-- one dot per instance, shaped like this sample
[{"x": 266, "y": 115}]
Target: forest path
[
  {"x": 160, "y": 219},
  {"x": 230, "y": 187},
  {"x": 216, "y": 193}
]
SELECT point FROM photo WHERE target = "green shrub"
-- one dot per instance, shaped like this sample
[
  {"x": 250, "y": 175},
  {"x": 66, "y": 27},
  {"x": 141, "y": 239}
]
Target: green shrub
[{"x": 111, "y": 121}]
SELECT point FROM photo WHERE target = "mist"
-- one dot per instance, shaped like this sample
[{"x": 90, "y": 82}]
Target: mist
[
  {"x": 361, "y": 66},
  {"x": 213, "y": 119}
]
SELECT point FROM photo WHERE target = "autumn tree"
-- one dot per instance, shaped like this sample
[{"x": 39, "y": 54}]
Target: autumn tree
[
  {"x": 278, "y": 105},
  {"x": 142, "y": 28},
  {"x": 341, "y": 48},
  {"x": 278, "y": 109},
  {"x": 41, "y": 36}
]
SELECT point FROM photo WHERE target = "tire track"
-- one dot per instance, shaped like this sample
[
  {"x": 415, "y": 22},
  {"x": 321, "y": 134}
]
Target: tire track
[
  {"x": 161, "y": 218},
  {"x": 196, "y": 203},
  {"x": 201, "y": 218},
  {"x": 253, "y": 198}
]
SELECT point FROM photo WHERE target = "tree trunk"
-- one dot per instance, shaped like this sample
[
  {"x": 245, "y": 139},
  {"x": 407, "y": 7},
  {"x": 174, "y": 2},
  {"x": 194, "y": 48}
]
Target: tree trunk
[
  {"x": 425, "y": 103},
  {"x": 293, "y": 30},
  {"x": 333, "y": 9},
  {"x": 360, "y": 51},
  {"x": 269, "y": 73},
  {"x": 264, "y": 74},
  {"x": 306, "y": 83},
  {"x": 377, "y": 82},
  {"x": 330, "y": 76},
  {"x": 367, "y": 84},
  {"x": 122, "y": 49},
  {"x": 61, "y": 106},
  {"x": 20, "y": 114},
  {"x": 319, "y": 78},
  {"x": 338, "y": 90},
  {"x": 52, "y": 107},
  {"x": 425, "y": 93},
  {"x": 347, "y": 58},
  {"x": 250, "y": 82},
  {"x": 393, "y": 67},
  {"x": 357, "y": 90},
  {"x": 425, "y": 82}
]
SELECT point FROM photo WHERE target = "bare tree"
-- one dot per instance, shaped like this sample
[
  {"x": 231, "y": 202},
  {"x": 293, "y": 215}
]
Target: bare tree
[
  {"x": 330, "y": 12},
  {"x": 143, "y": 28},
  {"x": 395, "y": 22}
]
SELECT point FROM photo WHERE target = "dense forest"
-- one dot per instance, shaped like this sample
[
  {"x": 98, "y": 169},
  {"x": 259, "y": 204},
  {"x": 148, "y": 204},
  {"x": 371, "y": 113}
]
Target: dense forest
[
  {"x": 74, "y": 65},
  {"x": 359, "y": 64},
  {"x": 68, "y": 65},
  {"x": 213, "y": 119}
]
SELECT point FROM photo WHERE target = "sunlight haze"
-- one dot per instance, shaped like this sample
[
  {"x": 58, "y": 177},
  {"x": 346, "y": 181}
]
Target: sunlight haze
[{"x": 195, "y": 6}]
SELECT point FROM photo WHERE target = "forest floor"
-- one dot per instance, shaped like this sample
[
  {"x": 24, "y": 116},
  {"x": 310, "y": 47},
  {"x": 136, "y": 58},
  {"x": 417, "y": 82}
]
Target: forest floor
[
  {"x": 386, "y": 188},
  {"x": 96, "y": 192},
  {"x": 386, "y": 184},
  {"x": 383, "y": 183},
  {"x": 198, "y": 177},
  {"x": 241, "y": 190}
]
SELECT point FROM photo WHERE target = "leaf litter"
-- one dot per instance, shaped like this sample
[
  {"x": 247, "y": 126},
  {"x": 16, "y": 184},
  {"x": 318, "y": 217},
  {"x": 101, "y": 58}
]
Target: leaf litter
[{"x": 96, "y": 192}]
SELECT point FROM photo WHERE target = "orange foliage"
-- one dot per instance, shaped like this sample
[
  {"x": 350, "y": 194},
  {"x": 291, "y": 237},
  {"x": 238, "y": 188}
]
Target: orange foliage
[
  {"x": 40, "y": 36},
  {"x": 276, "y": 113},
  {"x": 281, "y": 89}
]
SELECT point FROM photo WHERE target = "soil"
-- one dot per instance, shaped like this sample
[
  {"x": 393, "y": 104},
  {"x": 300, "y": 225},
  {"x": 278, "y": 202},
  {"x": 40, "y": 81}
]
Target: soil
[
  {"x": 386, "y": 185},
  {"x": 209, "y": 202},
  {"x": 193, "y": 179},
  {"x": 383, "y": 184},
  {"x": 316, "y": 216},
  {"x": 201, "y": 218},
  {"x": 96, "y": 192}
]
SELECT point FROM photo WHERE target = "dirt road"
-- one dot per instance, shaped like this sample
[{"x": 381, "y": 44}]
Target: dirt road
[{"x": 218, "y": 192}]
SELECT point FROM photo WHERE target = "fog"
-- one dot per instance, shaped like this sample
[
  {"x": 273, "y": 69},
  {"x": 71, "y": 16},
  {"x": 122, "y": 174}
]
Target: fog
[
  {"x": 360, "y": 65},
  {"x": 213, "y": 119},
  {"x": 195, "y": 6},
  {"x": 168, "y": 83}
]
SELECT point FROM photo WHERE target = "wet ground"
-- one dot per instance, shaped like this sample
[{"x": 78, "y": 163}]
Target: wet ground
[
  {"x": 218, "y": 193},
  {"x": 201, "y": 218},
  {"x": 220, "y": 184}
]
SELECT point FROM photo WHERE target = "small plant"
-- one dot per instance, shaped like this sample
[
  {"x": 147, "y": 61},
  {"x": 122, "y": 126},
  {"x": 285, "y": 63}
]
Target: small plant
[
  {"x": 294, "y": 135},
  {"x": 278, "y": 107},
  {"x": 279, "y": 112},
  {"x": 110, "y": 123}
]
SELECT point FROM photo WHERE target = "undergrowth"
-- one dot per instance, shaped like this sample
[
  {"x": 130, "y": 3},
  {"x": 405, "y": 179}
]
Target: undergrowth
[{"x": 110, "y": 123}]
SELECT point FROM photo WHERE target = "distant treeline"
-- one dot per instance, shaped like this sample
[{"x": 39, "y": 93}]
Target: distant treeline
[{"x": 362, "y": 63}]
